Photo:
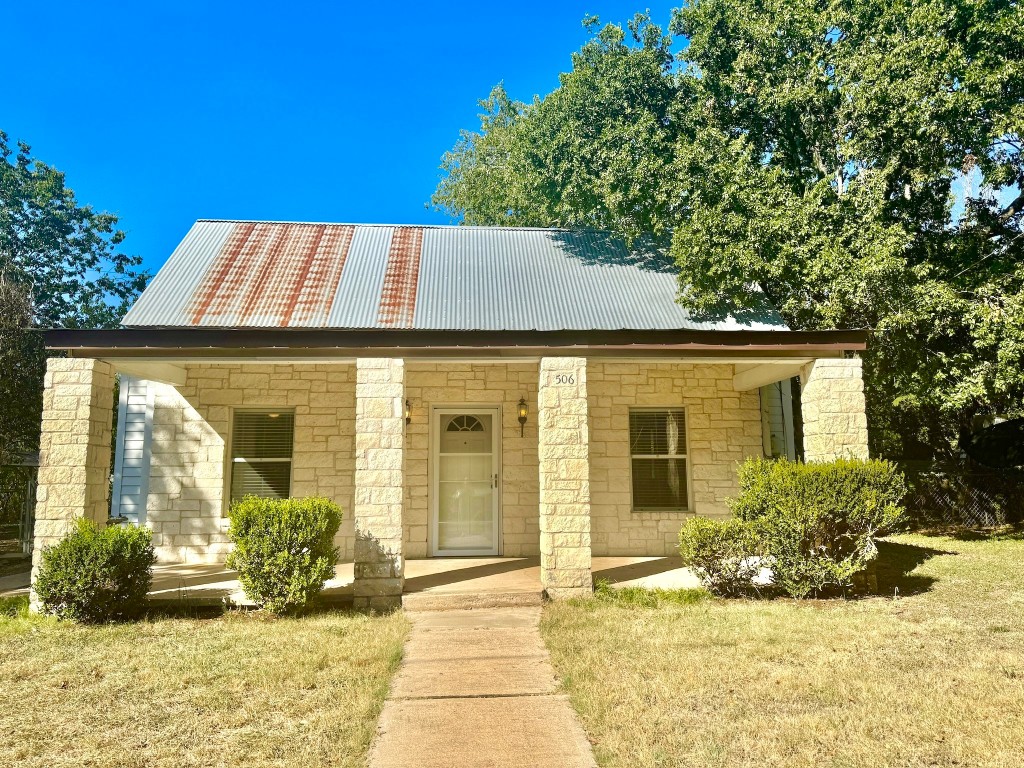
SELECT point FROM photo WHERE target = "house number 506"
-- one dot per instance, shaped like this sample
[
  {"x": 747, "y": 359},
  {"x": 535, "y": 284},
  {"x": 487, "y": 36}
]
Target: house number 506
[{"x": 565, "y": 378}]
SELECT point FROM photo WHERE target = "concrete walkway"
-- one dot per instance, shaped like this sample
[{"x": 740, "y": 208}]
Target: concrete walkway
[{"x": 476, "y": 689}]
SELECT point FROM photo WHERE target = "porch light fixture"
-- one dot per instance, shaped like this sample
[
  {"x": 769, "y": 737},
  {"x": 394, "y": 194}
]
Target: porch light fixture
[
  {"x": 523, "y": 411},
  {"x": 408, "y": 412}
]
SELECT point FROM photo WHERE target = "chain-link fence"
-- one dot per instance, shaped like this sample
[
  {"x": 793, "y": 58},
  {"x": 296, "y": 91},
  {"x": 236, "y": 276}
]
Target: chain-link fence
[
  {"x": 17, "y": 505},
  {"x": 963, "y": 495}
]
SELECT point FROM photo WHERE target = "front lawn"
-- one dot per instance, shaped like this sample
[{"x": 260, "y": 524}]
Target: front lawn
[
  {"x": 931, "y": 677},
  {"x": 232, "y": 690}
]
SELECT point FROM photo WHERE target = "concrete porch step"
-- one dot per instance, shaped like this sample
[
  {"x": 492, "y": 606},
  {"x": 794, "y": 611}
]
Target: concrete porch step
[{"x": 460, "y": 601}]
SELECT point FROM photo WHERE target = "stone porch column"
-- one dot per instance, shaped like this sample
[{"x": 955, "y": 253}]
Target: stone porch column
[
  {"x": 563, "y": 447},
  {"x": 74, "y": 450},
  {"x": 832, "y": 401},
  {"x": 379, "y": 484}
]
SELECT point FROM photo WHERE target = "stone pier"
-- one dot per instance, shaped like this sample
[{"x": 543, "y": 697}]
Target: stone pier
[
  {"x": 563, "y": 445},
  {"x": 74, "y": 449},
  {"x": 379, "y": 568},
  {"x": 832, "y": 401}
]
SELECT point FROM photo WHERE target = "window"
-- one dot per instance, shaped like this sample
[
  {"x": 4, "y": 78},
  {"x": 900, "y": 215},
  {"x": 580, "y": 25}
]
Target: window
[
  {"x": 261, "y": 454},
  {"x": 657, "y": 440}
]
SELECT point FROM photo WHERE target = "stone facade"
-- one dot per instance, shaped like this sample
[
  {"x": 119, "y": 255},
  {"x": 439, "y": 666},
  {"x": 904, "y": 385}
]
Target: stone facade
[
  {"x": 190, "y": 466},
  {"x": 563, "y": 449},
  {"x": 190, "y": 462},
  {"x": 379, "y": 483},
  {"x": 723, "y": 428},
  {"x": 832, "y": 400},
  {"x": 192, "y": 431},
  {"x": 485, "y": 384},
  {"x": 74, "y": 449}
]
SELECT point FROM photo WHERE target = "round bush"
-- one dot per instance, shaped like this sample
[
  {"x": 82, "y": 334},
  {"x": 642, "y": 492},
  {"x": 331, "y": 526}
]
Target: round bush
[
  {"x": 816, "y": 523},
  {"x": 721, "y": 552},
  {"x": 97, "y": 574},
  {"x": 284, "y": 549}
]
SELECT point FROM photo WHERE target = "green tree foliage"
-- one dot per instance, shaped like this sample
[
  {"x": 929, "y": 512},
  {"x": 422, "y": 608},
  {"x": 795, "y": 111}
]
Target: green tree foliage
[
  {"x": 856, "y": 163},
  {"x": 60, "y": 267}
]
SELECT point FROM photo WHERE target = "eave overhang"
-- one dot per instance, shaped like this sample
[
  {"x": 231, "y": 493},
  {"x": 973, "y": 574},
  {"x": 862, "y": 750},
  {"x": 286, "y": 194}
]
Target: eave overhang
[{"x": 242, "y": 343}]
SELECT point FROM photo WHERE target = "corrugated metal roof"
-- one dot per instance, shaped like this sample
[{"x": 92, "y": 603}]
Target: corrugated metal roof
[{"x": 297, "y": 275}]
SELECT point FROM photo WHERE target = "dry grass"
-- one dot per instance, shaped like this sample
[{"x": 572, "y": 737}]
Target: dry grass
[
  {"x": 934, "y": 677},
  {"x": 233, "y": 690}
]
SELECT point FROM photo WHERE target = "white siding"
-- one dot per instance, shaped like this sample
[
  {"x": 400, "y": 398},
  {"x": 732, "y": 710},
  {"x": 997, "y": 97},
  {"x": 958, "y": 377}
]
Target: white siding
[
  {"x": 131, "y": 458},
  {"x": 777, "y": 420}
]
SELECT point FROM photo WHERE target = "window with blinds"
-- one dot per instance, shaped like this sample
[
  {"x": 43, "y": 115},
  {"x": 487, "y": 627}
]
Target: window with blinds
[
  {"x": 657, "y": 440},
  {"x": 261, "y": 454}
]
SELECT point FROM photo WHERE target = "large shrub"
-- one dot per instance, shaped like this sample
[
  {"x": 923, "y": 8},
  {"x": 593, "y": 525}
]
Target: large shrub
[
  {"x": 97, "y": 574},
  {"x": 816, "y": 523},
  {"x": 721, "y": 552},
  {"x": 284, "y": 549}
]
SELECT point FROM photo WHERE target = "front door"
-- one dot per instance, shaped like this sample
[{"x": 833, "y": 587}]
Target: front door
[{"x": 466, "y": 481}]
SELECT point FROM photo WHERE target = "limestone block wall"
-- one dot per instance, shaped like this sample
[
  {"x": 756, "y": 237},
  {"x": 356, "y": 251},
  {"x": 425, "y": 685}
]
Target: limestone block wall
[
  {"x": 491, "y": 384},
  {"x": 74, "y": 449},
  {"x": 191, "y": 431},
  {"x": 723, "y": 428},
  {"x": 565, "y": 552},
  {"x": 832, "y": 401},
  {"x": 188, "y": 486},
  {"x": 379, "y": 565}
]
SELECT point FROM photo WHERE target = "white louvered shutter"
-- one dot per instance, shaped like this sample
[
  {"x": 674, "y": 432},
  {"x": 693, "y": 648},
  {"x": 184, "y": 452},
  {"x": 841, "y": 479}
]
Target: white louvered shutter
[{"x": 132, "y": 449}]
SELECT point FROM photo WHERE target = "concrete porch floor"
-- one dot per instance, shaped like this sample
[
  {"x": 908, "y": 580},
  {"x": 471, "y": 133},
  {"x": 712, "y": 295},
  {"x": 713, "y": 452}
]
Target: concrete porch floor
[
  {"x": 431, "y": 577},
  {"x": 427, "y": 578}
]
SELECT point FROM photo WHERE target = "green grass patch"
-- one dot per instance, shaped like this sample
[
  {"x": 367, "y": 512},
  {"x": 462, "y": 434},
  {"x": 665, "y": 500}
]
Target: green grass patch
[{"x": 928, "y": 673}]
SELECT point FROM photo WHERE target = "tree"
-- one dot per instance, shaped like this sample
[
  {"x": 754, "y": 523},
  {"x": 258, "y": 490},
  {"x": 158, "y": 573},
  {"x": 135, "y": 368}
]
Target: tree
[
  {"x": 59, "y": 267},
  {"x": 817, "y": 155}
]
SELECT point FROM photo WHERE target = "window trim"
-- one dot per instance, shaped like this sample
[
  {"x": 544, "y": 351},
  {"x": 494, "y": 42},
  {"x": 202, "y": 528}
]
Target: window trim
[
  {"x": 689, "y": 508},
  {"x": 229, "y": 449}
]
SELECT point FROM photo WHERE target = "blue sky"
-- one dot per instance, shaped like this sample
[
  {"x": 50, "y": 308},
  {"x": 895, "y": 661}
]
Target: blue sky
[{"x": 167, "y": 112}]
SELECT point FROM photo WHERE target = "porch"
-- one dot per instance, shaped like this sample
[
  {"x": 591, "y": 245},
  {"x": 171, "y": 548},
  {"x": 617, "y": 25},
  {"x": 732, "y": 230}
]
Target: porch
[
  {"x": 558, "y": 489},
  {"x": 488, "y": 580},
  {"x": 476, "y": 582}
]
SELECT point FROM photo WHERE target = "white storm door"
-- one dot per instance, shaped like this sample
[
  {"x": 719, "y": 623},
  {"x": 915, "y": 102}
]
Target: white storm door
[{"x": 466, "y": 481}]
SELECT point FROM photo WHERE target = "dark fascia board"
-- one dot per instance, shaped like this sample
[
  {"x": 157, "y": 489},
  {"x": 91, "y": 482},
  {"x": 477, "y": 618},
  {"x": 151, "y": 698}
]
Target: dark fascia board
[{"x": 297, "y": 342}]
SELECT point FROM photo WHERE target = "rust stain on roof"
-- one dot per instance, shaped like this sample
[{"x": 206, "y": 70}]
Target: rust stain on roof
[
  {"x": 398, "y": 295},
  {"x": 273, "y": 274}
]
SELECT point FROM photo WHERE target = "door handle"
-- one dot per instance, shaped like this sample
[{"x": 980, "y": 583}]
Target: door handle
[{"x": 495, "y": 480}]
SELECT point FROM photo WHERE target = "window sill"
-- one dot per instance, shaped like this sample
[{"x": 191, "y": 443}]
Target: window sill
[{"x": 662, "y": 511}]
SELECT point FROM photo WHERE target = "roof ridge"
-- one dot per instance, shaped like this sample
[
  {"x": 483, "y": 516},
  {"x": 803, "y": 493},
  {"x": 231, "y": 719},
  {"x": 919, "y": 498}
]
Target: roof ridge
[{"x": 490, "y": 227}]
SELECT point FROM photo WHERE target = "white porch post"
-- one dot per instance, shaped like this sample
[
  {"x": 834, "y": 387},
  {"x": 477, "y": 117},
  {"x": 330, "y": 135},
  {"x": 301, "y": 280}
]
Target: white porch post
[
  {"x": 832, "y": 402},
  {"x": 379, "y": 483},
  {"x": 74, "y": 450},
  {"x": 563, "y": 445}
]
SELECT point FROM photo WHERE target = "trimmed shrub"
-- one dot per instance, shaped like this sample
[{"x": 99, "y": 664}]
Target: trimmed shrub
[
  {"x": 97, "y": 574},
  {"x": 816, "y": 523},
  {"x": 721, "y": 552},
  {"x": 284, "y": 549}
]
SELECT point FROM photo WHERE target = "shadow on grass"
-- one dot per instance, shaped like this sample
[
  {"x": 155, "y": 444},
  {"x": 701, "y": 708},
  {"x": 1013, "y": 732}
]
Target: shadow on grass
[
  {"x": 896, "y": 565},
  {"x": 960, "y": 533}
]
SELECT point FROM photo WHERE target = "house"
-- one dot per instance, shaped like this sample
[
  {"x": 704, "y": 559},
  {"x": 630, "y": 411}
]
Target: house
[{"x": 457, "y": 390}]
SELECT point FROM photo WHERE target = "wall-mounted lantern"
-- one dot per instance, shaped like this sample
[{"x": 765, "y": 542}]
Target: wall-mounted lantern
[
  {"x": 408, "y": 412},
  {"x": 523, "y": 411}
]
